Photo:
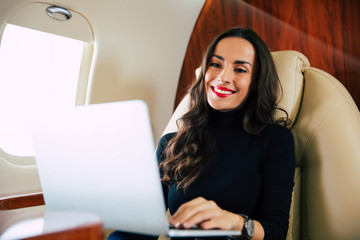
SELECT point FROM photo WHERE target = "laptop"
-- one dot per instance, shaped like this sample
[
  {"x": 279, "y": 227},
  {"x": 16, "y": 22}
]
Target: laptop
[{"x": 100, "y": 158}]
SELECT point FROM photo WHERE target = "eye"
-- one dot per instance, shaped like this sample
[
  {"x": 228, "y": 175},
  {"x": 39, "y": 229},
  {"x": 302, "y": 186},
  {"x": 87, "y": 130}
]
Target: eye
[
  {"x": 240, "y": 70},
  {"x": 216, "y": 65}
]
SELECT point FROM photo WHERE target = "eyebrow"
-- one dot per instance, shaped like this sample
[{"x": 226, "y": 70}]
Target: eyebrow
[{"x": 236, "y": 62}]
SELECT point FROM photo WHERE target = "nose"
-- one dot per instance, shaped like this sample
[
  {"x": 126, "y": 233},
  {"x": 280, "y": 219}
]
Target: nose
[{"x": 224, "y": 76}]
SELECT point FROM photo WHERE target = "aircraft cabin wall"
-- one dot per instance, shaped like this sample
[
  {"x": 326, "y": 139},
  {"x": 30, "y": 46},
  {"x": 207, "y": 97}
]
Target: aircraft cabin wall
[{"x": 132, "y": 50}]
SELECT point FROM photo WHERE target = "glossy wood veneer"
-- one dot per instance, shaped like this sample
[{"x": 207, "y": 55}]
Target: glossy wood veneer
[
  {"x": 21, "y": 201},
  {"x": 326, "y": 31},
  {"x": 87, "y": 232}
]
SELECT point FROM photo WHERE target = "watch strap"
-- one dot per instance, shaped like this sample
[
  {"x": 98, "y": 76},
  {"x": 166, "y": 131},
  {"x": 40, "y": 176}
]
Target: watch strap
[
  {"x": 247, "y": 222},
  {"x": 244, "y": 233}
]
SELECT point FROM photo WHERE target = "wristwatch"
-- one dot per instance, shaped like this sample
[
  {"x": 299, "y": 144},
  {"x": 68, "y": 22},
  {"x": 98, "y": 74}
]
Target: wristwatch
[{"x": 248, "y": 229}]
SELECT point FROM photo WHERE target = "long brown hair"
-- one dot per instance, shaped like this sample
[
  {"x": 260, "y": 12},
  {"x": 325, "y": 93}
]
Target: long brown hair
[{"x": 188, "y": 152}]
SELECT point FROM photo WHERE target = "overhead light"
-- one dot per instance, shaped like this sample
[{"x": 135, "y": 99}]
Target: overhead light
[{"x": 58, "y": 13}]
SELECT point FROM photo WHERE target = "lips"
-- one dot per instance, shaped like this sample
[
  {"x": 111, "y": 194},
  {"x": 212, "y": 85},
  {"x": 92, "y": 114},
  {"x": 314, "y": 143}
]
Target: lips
[{"x": 222, "y": 91}]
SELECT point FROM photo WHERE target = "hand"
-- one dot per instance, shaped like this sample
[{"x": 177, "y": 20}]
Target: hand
[{"x": 207, "y": 215}]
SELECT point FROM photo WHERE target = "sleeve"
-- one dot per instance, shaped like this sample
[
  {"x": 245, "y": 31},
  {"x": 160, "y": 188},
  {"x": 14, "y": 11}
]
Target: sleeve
[
  {"x": 278, "y": 180},
  {"x": 160, "y": 155}
]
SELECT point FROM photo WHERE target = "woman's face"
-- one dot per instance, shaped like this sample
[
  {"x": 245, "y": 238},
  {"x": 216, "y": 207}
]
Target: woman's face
[{"x": 228, "y": 78}]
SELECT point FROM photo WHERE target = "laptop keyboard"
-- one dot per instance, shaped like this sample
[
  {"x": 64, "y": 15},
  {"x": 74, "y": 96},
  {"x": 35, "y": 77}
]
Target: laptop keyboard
[{"x": 195, "y": 227}]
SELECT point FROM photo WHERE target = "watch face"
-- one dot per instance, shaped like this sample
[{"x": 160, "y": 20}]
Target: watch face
[{"x": 250, "y": 228}]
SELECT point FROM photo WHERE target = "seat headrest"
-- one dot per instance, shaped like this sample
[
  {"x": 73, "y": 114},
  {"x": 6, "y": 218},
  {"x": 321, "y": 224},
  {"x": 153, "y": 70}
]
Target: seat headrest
[{"x": 289, "y": 66}]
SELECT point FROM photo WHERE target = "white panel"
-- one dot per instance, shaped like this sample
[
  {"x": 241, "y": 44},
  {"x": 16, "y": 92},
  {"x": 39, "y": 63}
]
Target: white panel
[
  {"x": 34, "y": 16},
  {"x": 139, "y": 47}
]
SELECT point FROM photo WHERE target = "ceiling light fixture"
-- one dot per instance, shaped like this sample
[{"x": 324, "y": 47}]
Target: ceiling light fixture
[{"x": 58, "y": 13}]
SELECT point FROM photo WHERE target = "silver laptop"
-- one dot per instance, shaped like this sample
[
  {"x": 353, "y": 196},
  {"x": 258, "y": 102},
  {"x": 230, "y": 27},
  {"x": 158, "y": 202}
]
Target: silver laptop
[{"x": 101, "y": 158}]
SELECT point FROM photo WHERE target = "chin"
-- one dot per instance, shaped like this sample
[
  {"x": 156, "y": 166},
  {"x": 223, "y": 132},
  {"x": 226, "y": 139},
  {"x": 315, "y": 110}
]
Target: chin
[{"x": 219, "y": 107}]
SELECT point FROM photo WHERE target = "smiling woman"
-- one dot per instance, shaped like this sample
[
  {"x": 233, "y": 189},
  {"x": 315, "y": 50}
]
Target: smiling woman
[
  {"x": 223, "y": 166},
  {"x": 229, "y": 156},
  {"x": 228, "y": 79}
]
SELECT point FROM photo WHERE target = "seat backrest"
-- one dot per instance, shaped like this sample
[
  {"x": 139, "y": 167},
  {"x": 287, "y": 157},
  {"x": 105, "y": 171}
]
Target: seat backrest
[
  {"x": 326, "y": 129},
  {"x": 327, "y": 135},
  {"x": 18, "y": 175}
]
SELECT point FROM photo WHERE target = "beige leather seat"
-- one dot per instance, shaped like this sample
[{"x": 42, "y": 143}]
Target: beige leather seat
[
  {"x": 18, "y": 176},
  {"x": 326, "y": 128}
]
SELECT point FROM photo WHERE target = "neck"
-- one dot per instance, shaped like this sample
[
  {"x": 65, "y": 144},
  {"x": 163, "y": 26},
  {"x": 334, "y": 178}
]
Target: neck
[{"x": 228, "y": 118}]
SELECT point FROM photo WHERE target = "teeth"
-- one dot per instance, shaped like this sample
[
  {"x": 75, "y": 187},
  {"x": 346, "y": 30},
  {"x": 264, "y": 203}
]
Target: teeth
[{"x": 222, "y": 91}]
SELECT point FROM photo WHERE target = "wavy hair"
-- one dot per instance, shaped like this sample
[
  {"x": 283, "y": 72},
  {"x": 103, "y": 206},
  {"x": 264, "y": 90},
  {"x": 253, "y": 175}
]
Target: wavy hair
[{"x": 188, "y": 152}]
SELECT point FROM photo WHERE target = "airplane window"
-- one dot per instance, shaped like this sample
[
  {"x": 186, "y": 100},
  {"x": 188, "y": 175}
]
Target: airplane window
[{"x": 38, "y": 70}]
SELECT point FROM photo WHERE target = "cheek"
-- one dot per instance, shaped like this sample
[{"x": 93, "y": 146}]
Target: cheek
[
  {"x": 207, "y": 81},
  {"x": 209, "y": 77},
  {"x": 244, "y": 84}
]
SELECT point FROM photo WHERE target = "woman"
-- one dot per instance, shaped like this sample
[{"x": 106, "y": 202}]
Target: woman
[{"x": 231, "y": 165}]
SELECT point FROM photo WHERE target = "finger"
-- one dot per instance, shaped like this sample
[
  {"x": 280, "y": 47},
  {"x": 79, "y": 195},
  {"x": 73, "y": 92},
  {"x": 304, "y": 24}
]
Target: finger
[
  {"x": 189, "y": 209},
  {"x": 225, "y": 220},
  {"x": 188, "y": 205},
  {"x": 197, "y": 214},
  {"x": 202, "y": 216},
  {"x": 212, "y": 223},
  {"x": 191, "y": 203}
]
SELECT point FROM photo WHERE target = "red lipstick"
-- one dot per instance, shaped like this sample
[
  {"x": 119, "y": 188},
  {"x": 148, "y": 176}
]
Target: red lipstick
[{"x": 222, "y": 91}]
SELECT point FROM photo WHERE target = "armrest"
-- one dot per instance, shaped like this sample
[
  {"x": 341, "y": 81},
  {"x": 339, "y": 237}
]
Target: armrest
[{"x": 21, "y": 200}]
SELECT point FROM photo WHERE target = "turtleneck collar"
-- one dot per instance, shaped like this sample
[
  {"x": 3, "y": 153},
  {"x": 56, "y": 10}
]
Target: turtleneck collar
[{"x": 225, "y": 119}]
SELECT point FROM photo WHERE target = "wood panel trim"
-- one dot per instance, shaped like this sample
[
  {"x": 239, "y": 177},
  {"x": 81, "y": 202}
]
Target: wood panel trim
[
  {"x": 327, "y": 32},
  {"x": 86, "y": 232},
  {"x": 21, "y": 201}
]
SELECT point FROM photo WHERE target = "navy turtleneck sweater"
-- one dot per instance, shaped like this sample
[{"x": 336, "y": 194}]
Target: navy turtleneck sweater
[{"x": 248, "y": 174}]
